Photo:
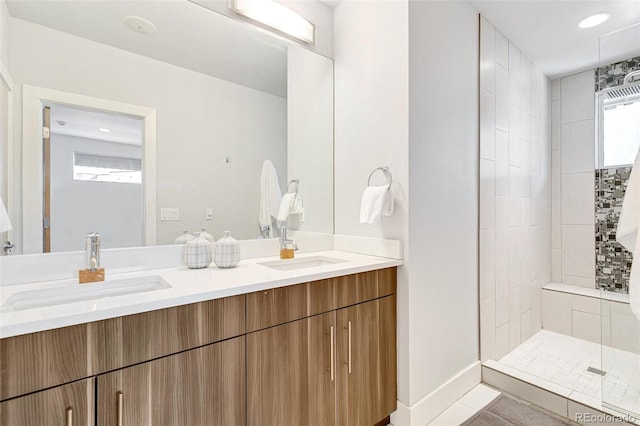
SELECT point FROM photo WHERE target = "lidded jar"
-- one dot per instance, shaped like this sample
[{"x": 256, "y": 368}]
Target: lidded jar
[
  {"x": 197, "y": 253},
  {"x": 227, "y": 251},
  {"x": 184, "y": 238}
]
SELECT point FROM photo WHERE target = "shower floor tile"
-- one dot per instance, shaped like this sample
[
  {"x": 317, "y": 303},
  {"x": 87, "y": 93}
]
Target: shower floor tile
[{"x": 564, "y": 360}]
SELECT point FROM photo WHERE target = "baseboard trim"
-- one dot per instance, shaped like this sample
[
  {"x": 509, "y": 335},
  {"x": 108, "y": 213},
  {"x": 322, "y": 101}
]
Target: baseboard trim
[{"x": 429, "y": 407}]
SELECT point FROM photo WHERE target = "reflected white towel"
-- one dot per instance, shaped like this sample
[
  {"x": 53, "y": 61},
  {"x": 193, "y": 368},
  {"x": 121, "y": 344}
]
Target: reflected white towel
[
  {"x": 5, "y": 223},
  {"x": 627, "y": 233},
  {"x": 377, "y": 201},
  {"x": 291, "y": 204},
  {"x": 270, "y": 194}
]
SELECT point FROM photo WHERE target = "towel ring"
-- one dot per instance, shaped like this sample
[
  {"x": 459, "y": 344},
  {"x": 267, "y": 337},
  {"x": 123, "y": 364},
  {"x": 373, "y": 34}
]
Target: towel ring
[
  {"x": 297, "y": 182},
  {"x": 387, "y": 174}
]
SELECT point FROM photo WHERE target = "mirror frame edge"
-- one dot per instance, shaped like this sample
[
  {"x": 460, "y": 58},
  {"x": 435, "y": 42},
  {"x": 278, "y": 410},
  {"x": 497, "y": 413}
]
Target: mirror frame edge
[{"x": 33, "y": 98}]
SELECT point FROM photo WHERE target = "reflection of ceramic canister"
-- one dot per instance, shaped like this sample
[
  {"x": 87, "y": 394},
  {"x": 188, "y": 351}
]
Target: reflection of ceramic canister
[{"x": 93, "y": 251}]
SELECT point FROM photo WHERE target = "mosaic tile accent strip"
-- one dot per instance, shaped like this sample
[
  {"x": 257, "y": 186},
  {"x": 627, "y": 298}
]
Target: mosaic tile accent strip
[
  {"x": 613, "y": 262},
  {"x": 613, "y": 75}
]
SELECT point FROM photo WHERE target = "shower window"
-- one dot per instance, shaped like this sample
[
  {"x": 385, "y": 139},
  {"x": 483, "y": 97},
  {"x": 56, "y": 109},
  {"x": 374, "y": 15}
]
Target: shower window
[
  {"x": 102, "y": 168},
  {"x": 619, "y": 123}
]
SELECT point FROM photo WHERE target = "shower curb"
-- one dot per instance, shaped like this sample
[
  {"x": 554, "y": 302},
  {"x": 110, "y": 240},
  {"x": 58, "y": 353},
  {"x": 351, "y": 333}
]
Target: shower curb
[{"x": 550, "y": 396}]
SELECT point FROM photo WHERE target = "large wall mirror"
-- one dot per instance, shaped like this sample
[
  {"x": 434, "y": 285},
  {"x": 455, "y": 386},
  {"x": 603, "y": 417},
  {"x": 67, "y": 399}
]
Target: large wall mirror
[{"x": 209, "y": 99}]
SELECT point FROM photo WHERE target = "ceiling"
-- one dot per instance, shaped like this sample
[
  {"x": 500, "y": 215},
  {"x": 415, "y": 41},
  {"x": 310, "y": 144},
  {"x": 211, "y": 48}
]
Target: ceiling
[
  {"x": 188, "y": 35},
  {"x": 87, "y": 124},
  {"x": 547, "y": 32}
]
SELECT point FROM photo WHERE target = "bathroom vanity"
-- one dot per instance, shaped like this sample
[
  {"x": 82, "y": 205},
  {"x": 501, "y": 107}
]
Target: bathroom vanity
[{"x": 315, "y": 348}]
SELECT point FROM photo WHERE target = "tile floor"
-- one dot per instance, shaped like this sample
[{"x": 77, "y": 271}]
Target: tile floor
[
  {"x": 564, "y": 360},
  {"x": 472, "y": 402}
]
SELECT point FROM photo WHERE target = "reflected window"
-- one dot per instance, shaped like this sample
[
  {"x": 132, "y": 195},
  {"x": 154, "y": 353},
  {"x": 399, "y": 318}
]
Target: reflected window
[{"x": 102, "y": 168}]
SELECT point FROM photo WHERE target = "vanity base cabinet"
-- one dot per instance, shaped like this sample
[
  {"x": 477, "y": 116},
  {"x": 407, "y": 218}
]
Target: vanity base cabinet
[
  {"x": 203, "y": 386},
  {"x": 66, "y": 405},
  {"x": 291, "y": 373},
  {"x": 366, "y": 368}
]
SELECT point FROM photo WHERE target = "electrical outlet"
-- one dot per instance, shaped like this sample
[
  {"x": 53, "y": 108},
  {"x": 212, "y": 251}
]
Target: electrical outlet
[
  {"x": 208, "y": 214},
  {"x": 172, "y": 213}
]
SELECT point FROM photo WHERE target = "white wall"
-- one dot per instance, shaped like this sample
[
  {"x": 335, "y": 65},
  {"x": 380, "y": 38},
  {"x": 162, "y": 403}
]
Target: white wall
[
  {"x": 80, "y": 207},
  {"x": 515, "y": 192},
  {"x": 408, "y": 100},
  {"x": 4, "y": 113},
  {"x": 573, "y": 156},
  {"x": 4, "y": 33},
  {"x": 200, "y": 121},
  {"x": 443, "y": 195},
  {"x": 371, "y": 130},
  {"x": 310, "y": 140}
]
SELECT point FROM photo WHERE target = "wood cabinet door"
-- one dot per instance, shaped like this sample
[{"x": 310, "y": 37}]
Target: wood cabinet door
[
  {"x": 66, "y": 405},
  {"x": 366, "y": 351},
  {"x": 291, "y": 373},
  {"x": 203, "y": 386}
]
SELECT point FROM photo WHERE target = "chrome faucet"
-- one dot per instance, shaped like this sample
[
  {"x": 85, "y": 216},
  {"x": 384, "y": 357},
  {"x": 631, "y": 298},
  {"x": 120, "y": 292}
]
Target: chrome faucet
[
  {"x": 284, "y": 242},
  {"x": 93, "y": 251}
]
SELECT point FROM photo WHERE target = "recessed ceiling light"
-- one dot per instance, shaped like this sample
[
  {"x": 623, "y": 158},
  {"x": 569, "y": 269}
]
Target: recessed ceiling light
[
  {"x": 102, "y": 129},
  {"x": 594, "y": 20},
  {"x": 139, "y": 25}
]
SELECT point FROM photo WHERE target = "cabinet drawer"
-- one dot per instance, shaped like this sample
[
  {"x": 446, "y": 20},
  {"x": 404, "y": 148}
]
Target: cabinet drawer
[
  {"x": 284, "y": 304},
  {"x": 131, "y": 339},
  {"x": 40, "y": 360},
  {"x": 60, "y": 406}
]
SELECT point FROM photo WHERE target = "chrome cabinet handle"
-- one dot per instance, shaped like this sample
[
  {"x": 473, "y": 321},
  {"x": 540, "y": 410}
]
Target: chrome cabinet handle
[
  {"x": 70, "y": 416},
  {"x": 120, "y": 407},
  {"x": 349, "y": 328},
  {"x": 332, "y": 354}
]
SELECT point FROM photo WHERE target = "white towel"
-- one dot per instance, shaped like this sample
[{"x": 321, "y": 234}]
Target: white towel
[
  {"x": 270, "y": 194},
  {"x": 5, "y": 223},
  {"x": 627, "y": 233},
  {"x": 377, "y": 201},
  {"x": 291, "y": 204}
]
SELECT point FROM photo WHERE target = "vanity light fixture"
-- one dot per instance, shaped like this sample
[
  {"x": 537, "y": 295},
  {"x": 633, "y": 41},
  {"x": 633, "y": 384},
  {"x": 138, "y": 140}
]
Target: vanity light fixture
[
  {"x": 276, "y": 16},
  {"x": 594, "y": 20},
  {"x": 102, "y": 129}
]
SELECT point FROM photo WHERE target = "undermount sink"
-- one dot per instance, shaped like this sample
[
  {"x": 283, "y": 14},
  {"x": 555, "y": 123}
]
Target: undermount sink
[
  {"x": 301, "y": 263},
  {"x": 30, "y": 299}
]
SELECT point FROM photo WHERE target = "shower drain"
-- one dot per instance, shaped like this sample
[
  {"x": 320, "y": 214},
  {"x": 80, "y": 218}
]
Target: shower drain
[{"x": 596, "y": 371}]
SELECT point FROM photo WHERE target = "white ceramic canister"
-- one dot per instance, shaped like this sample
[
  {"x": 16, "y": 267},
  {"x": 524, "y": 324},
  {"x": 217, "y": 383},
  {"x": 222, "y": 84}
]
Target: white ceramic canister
[
  {"x": 227, "y": 251},
  {"x": 197, "y": 253}
]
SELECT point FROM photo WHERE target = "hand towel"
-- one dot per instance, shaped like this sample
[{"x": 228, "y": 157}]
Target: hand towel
[
  {"x": 627, "y": 233},
  {"x": 270, "y": 194},
  {"x": 377, "y": 201},
  {"x": 5, "y": 223}
]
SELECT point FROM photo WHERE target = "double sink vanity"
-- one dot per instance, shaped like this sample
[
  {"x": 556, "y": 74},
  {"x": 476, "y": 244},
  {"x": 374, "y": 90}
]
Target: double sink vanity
[{"x": 308, "y": 341}]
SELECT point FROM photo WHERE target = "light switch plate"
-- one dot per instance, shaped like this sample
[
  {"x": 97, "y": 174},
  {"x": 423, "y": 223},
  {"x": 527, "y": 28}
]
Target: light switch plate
[
  {"x": 208, "y": 214},
  {"x": 169, "y": 213}
]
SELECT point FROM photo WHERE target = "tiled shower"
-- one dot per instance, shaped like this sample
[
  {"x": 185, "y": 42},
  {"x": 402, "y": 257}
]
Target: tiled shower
[{"x": 547, "y": 233}]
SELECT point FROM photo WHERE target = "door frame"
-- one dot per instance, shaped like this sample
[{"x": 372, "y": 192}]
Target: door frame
[
  {"x": 6, "y": 79},
  {"x": 33, "y": 100}
]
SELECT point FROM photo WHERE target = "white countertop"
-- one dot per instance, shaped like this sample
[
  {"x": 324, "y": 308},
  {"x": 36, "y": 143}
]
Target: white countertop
[{"x": 187, "y": 286}]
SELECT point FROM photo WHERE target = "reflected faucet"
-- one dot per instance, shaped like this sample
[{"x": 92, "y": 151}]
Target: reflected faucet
[
  {"x": 265, "y": 231},
  {"x": 8, "y": 248}
]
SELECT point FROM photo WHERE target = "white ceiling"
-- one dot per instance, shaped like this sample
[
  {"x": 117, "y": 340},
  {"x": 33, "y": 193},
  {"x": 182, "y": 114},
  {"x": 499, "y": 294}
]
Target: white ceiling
[
  {"x": 188, "y": 35},
  {"x": 547, "y": 32},
  {"x": 86, "y": 124}
]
